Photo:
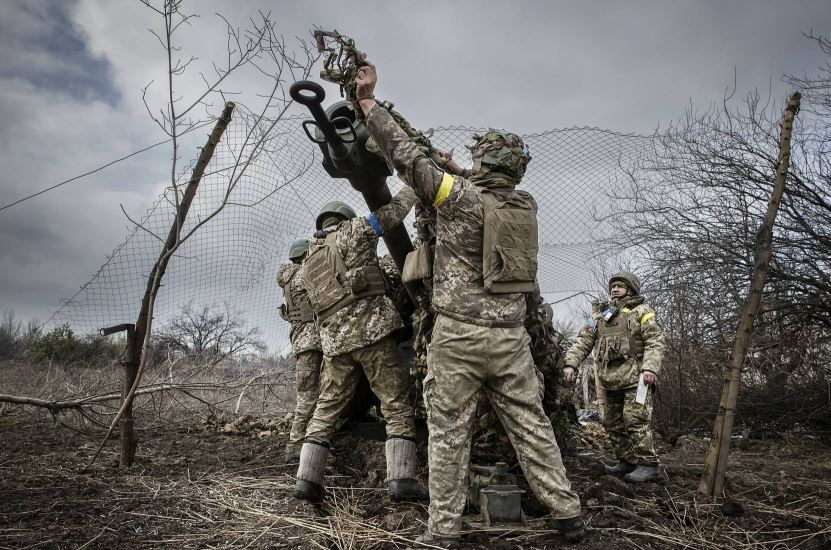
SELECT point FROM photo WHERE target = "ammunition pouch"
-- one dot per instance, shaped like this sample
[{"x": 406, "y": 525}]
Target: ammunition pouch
[
  {"x": 300, "y": 311},
  {"x": 418, "y": 264},
  {"x": 511, "y": 243},
  {"x": 619, "y": 338}
]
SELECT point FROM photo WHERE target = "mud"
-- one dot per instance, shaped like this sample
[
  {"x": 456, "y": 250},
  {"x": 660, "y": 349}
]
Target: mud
[{"x": 208, "y": 483}]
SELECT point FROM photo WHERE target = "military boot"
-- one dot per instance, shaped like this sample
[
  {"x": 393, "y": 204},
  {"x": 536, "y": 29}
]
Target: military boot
[
  {"x": 309, "y": 484},
  {"x": 619, "y": 469},
  {"x": 644, "y": 472},
  {"x": 429, "y": 540},
  {"x": 572, "y": 529},
  {"x": 401, "y": 463}
]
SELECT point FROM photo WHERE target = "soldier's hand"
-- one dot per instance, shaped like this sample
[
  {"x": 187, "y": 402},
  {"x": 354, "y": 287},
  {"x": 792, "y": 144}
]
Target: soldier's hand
[
  {"x": 649, "y": 377},
  {"x": 366, "y": 78},
  {"x": 569, "y": 374},
  {"x": 450, "y": 165}
]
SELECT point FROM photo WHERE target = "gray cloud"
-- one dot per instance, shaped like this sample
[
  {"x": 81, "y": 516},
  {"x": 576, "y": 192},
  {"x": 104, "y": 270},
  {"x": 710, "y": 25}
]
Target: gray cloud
[
  {"x": 40, "y": 43},
  {"x": 71, "y": 75}
]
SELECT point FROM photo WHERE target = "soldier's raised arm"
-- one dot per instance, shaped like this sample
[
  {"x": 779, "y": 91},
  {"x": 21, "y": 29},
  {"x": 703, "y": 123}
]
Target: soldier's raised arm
[
  {"x": 412, "y": 164},
  {"x": 390, "y": 215}
]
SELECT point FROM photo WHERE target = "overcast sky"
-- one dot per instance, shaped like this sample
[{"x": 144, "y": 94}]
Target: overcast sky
[{"x": 71, "y": 74}]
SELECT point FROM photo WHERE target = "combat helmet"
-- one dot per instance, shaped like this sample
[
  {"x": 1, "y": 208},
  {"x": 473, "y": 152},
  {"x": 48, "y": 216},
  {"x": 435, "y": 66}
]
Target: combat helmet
[
  {"x": 337, "y": 208},
  {"x": 629, "y": 279},
  {"x": 502, "y": 151},
  {"x": 298, "y": 248}
]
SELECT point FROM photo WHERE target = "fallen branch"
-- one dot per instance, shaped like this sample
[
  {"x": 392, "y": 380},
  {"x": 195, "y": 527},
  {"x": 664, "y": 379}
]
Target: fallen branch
[{"x": 56, "y": 406}]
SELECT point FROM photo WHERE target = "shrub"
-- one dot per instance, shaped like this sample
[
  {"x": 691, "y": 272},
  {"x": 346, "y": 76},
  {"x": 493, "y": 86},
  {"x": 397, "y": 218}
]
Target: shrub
[{"x": 60, "y": 345}]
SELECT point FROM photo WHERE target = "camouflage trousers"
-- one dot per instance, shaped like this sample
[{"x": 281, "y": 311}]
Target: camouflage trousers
[
  {"x": 628, "y": 426},
  {"x": 307, "y": 385},
  {"x": 464, "y": 360},
  {"x": 381, "y": 362}
]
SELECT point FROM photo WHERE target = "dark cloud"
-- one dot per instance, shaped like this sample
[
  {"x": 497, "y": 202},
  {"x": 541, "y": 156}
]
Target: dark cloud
[
  {"x": 71, "y": 72},
  {"x": 40, "y": 43}
]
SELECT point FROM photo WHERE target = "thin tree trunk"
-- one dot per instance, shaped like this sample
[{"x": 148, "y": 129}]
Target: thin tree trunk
[
  {"x": 141, "y": 335},
  {"x": 712, "y": 481}
]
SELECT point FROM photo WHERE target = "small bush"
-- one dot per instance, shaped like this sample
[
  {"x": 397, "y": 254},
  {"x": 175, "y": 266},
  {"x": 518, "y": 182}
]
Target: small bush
[{"x": 60, "y": 345}]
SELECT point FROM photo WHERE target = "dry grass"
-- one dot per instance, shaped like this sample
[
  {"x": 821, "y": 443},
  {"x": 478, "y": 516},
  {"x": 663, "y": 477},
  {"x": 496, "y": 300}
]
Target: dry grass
[
  {"x": 176, "y": 393},
  {"x": 219, "y": 483}
]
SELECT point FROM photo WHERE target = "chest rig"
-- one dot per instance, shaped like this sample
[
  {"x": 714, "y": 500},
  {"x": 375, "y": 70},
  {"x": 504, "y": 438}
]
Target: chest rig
[
  {"x": 619, "y": 335},
  {"x": 331, "y": 285}
]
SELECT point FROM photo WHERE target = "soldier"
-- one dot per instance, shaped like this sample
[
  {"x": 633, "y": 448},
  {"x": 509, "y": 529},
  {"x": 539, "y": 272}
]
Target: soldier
[
  {"x": 305, "y": 344},
  {"x": 627, "y": 342},
  {"x": 356, "y": 321},
  {"x": 485, "y": 259}
]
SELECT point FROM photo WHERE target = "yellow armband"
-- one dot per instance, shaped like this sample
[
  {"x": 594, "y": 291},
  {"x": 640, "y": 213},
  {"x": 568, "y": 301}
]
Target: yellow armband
[{"x": 444, "y": 189}]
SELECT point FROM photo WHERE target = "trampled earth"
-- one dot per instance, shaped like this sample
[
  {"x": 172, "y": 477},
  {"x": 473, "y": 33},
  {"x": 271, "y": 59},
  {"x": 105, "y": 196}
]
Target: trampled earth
[{"x": 205, "y": 483}]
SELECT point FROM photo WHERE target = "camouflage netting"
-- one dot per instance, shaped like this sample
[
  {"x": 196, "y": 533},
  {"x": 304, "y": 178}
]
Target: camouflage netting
[{"x": 234, "y": 257}]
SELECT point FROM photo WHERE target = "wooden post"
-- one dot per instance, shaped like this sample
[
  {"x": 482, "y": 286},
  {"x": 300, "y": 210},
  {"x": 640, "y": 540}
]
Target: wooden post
[
  {"x": 128, "y": 441},
  {"x": 137, "y": 334},
  {"x": 715, "y": 466}
]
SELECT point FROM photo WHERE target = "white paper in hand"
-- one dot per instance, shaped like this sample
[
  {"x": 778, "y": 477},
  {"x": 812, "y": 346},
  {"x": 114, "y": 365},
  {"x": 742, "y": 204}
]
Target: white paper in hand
[{"x": 640, "y": 397}]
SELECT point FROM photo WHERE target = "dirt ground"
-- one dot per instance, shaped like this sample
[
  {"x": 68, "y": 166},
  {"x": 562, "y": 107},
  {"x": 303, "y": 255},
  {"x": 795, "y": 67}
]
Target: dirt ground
[{"x": 209, "y": 484}]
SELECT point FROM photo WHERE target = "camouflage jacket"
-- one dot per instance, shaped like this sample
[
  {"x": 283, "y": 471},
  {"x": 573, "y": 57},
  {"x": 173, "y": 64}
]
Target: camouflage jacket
[
  {"x": 367, "y": 320},
  {"x": 303, "y": 336},
  {"x": 458, "y": 283},
  {"x": 630, "y": 342},
  {"x": 395, "y": 287}
]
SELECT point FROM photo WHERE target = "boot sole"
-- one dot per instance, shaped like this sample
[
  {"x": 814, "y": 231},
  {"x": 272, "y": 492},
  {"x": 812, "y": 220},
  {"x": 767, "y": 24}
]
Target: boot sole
[
  {"x": 575, "y": 536},
  {"x": 306, "y": 490},
  {"x": 410, "y": 498},
  {"x": 407, "y": 490},
  {"x": 647, "y": 480}
]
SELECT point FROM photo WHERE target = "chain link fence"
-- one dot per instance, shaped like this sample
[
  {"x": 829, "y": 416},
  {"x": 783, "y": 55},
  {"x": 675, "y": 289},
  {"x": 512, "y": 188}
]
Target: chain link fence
[{"x": 233, "y": 258}]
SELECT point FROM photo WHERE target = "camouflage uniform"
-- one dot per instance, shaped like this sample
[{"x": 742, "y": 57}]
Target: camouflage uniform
[
  {"x": 397, "y": 293},
  {"x": 630, "y": 342},
  {"x": 478, "y": 344},
  {"x": 305, "y": 345},
  {"x": 358, "y": 336}
]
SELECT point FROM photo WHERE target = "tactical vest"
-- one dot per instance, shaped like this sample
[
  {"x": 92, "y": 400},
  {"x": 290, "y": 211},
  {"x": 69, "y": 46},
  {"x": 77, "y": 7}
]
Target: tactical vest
[
  {"x": 297, "y": 311},
  {"x": 325, "y": 275},
  {"x": 510, "y": 246},
  {"x": 620, "y": 338}
]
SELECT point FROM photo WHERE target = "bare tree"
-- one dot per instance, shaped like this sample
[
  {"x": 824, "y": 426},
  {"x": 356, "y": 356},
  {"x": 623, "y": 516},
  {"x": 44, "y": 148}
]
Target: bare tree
[
  {"x": 259, "y": 48},
  {"x": 15, "y": 338},
  {"x": 210, "y": 334},
  {"x": 692, "y": 212}
]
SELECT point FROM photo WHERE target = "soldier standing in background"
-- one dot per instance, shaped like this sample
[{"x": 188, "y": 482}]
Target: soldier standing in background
[
  {"x": 479, "y": 341},
  {"x": 356, "y": 321},
  {"x": 305, "y": 344},
  {"x": 627, "y": 342}
]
